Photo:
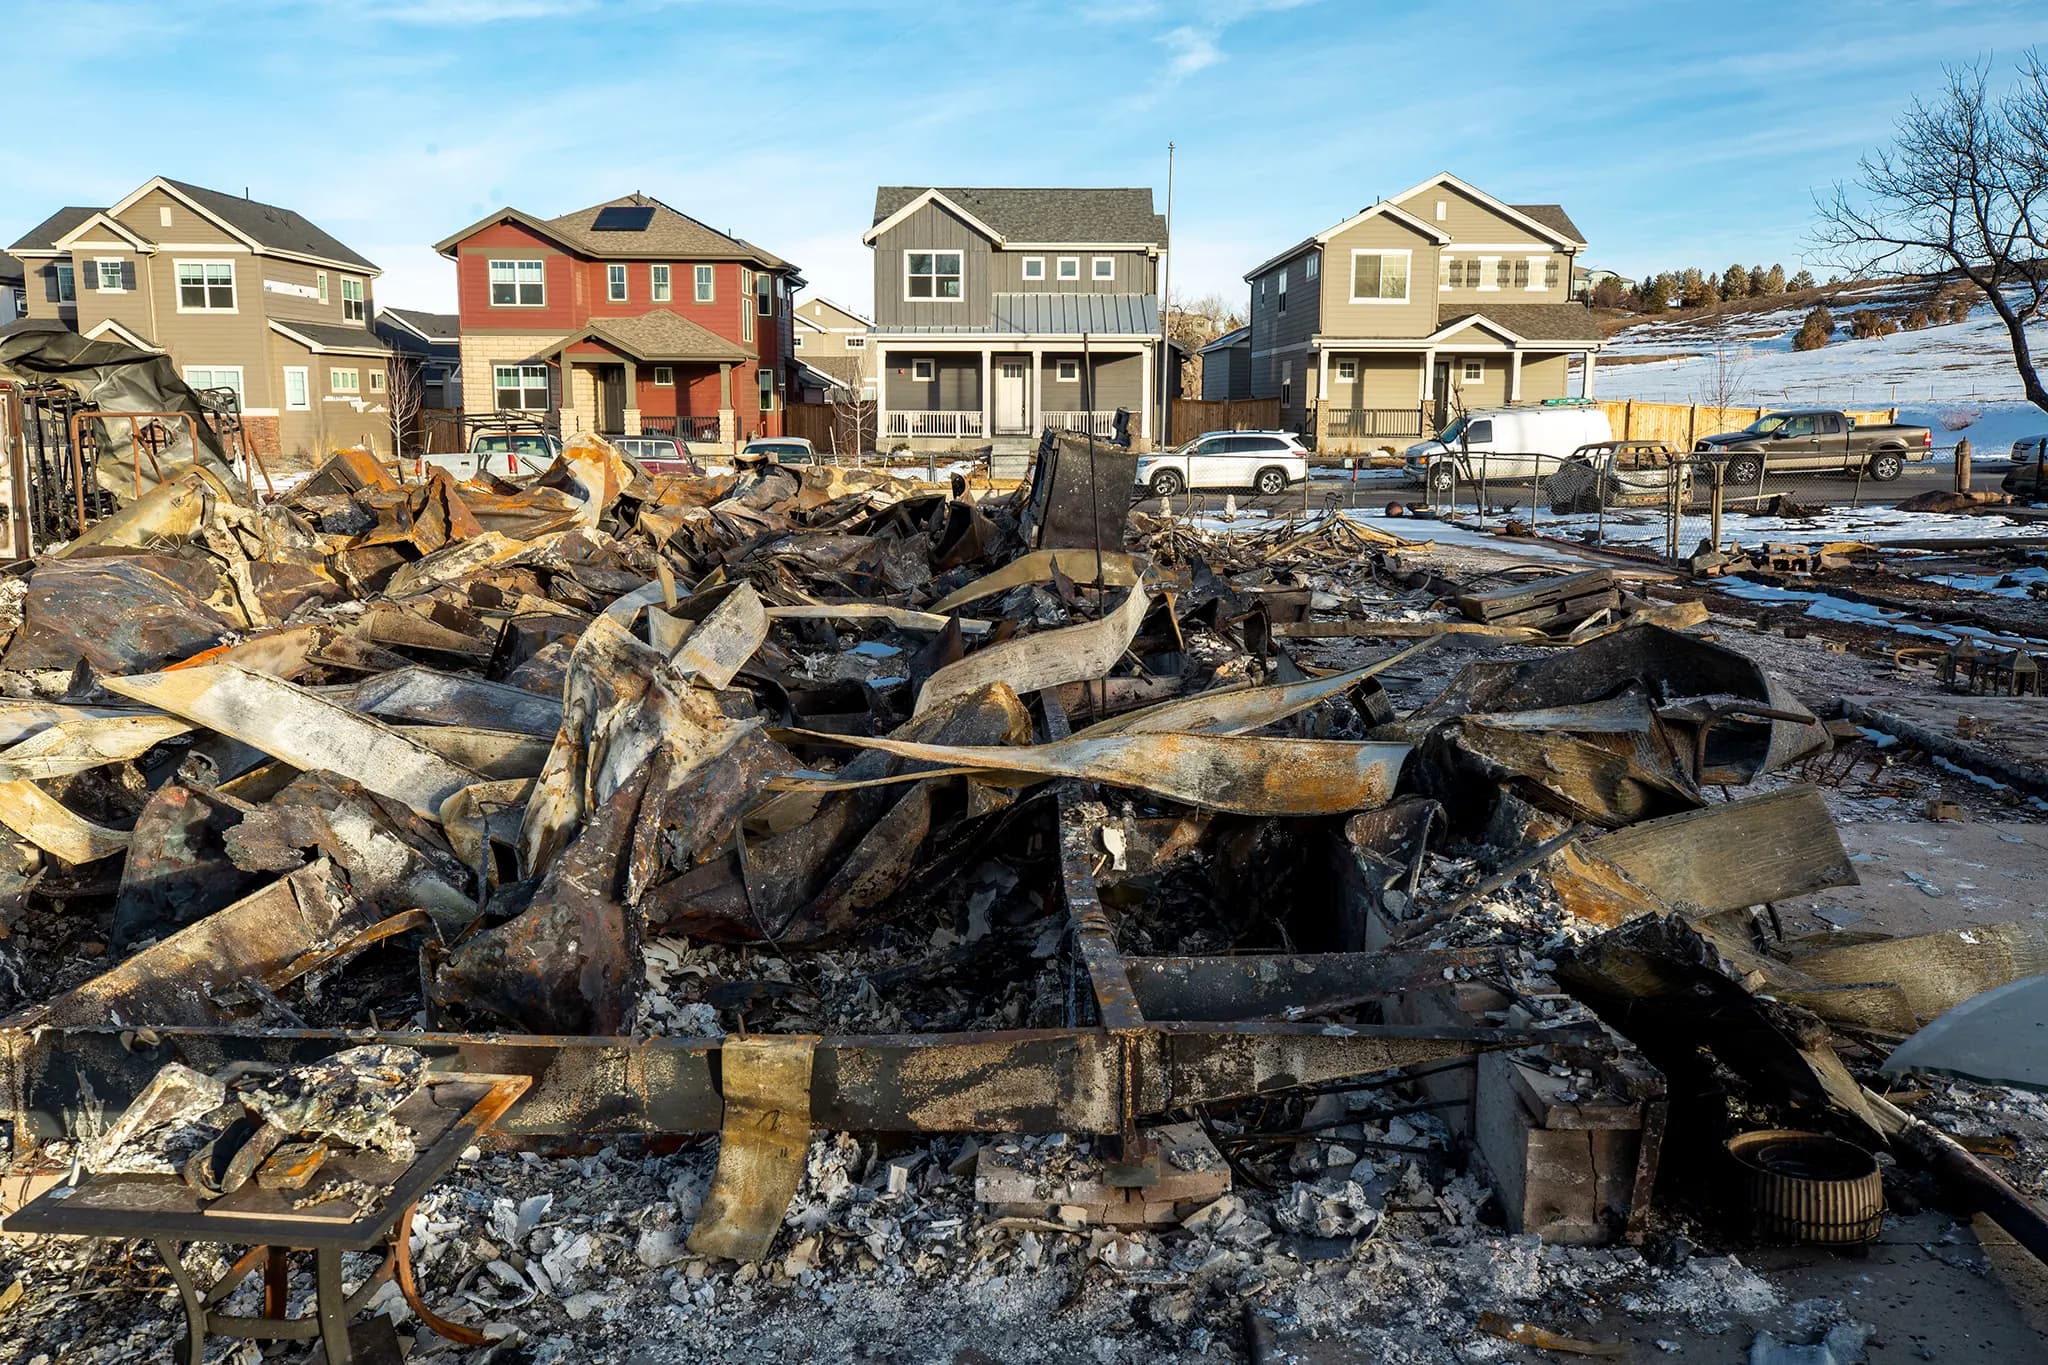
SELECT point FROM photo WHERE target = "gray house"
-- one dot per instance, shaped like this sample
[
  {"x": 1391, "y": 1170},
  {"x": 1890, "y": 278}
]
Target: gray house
[
  {"x": 999, "y": 312},
  {"x": 1227, "y": 366}
]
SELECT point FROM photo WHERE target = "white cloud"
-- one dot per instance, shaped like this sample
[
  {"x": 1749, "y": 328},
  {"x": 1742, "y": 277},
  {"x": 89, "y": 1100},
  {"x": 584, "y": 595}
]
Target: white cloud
[{"x": 1193, "y": 50}]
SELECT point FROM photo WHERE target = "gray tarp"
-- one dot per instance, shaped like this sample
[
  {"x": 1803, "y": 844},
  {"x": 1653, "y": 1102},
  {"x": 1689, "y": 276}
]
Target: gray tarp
[{"x": 119, "y": 378}]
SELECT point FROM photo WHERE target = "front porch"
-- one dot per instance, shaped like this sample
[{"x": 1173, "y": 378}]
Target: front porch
[
  {"x": 937, "y": 394},
  {"x": 1367, "y": 395},
  {"x": 654, "y": 375}
]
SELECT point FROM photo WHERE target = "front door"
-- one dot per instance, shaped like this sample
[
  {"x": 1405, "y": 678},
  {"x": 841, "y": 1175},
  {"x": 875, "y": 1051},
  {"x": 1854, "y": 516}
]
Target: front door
[
  {"x": 1013, "y": 396},
  {"x": 614, "y": 399}
]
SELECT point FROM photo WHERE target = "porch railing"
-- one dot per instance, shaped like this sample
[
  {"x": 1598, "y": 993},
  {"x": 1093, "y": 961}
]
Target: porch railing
[
  {"x": 1083, "y": 423},
  {"x": 687, "y": 427},
  {"x": 936, "y": 422},
  {"x": 1369, "y": 422}
]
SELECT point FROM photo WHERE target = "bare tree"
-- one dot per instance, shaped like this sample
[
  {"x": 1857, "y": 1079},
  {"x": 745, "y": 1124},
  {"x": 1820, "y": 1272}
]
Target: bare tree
[
  {"x": 854, "y": 409},
  {"x": 405, "y": 398},
  {"x": 1961, "y": 188},
  {"x": 1726, "y": 376}
]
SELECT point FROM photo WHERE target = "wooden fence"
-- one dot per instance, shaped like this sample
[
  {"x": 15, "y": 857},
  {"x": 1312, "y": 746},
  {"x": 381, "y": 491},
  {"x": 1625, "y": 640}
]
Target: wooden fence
[
  {"x": 1682, "y": 424},
  {"x": 831, "y": 429},
  {"x": 1193, "y": 416}
]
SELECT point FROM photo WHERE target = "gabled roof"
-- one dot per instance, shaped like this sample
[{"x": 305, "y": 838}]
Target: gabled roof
[
  {"x": 1553, "y": 217},
  {"x": 668, "y": 234},
  {"x": 1545, "y": 220},
  {"x": 325, "y": 338},
  {"x": 436, "y": 328},
  {"x": 43, "y": 236},
  {"x": 12, "y": 271},
  {"x": 1033, "y": 217},
  {"x": 1238, "y": 337},
  {"x": 133, "y": 338},
  {"x": 834, "y": 371},
  {"x": 103, "y": 221},
  {"x": 839, "y": 308},
  {"x": 1385, "y": 208},
  {"x": 662, "y": 336},
  {"x": 1525, "y": 321},
  {"x": 261, "y": 225}
]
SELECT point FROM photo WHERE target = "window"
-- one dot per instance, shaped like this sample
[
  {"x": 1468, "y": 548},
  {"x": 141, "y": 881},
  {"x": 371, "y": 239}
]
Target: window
[
  {"x": 1315, "y": 267},
  {"x": 664, "y": 376},
  {"x": 615, "y": 283},
  {"x": 856, "y": 343},
  {"x": 343, "y": 381},
  {"x": 704, "y": 284},
  {"x": 206, "y": 286},
  {"x": 1070, "y": 267},
  {"x": 215, "y": 377},
  {"x": 1481, "y": 275},
  {"x": 297, "y": 394},
  {"x": 1479, "y": 433},
  {"x": 352, "y": 309},
  {"x": 1102, "y": 267},
  {"x": 63, "y": 285},
  {"x": 518, "y": 284},
  {"x": 746, "y": 308},
  {"x": 110, "y": 275},
  {"x": 1442, "y": 209},
  {"x": 764, "y": 295},
  {"x": 521, "y": 387},
  {"x": 921, "y": 371},
  {"x": 767, "y": 390},
  {"x": 1283, "y": 289},
  {"x": 931, "y": 275},
  {"x": 1500, "y": 274},
  {"x": 1069, "y": 372},
  {"x": 1550, "y": 273},
  {"x": 1379, "y": 277},
  {"x": 320, "y": 283},
  {"x": 1521, "y": 274},
  {"x": 1034, "y": 267},
  {"x": 1347, "y": 371},
  {"x": 163, "y": 215},
  {"x": 1471, "y": 371},
  {"x": 376, "y": 381},
  {"x": 658, "y": 283}
]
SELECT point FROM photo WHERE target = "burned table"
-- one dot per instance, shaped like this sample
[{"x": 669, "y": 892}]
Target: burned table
[{"x": 358, "y": 1201}]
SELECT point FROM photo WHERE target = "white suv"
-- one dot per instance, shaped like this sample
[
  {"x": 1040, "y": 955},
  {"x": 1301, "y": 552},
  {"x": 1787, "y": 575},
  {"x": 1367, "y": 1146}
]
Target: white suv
[{"x": 1264, "y": 461}]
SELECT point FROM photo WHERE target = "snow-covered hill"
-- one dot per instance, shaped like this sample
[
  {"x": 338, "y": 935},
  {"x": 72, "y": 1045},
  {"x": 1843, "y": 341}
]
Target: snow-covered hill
[{"x": 1957, "y": 378}]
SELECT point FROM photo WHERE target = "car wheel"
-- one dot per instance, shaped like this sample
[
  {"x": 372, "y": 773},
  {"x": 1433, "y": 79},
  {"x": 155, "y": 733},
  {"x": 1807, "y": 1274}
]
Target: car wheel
[
  {"x": 1887, "y": 465},
  {"x": 1443, "y": 478},
  {"x": 1745, "y": 469},
  {"x": 1271, "y": 482},
  {"x": 1167, "y": 484}
]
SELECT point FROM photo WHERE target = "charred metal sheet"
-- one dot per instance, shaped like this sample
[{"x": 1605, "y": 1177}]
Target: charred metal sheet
[
  {"x": 1080, "y": 492},
  {"x": 1044, "y": 659},
  {"x": 120, "y": 614},
  {"x": 1253, "y": 985},
  {"x": 762, "y": 1143}
]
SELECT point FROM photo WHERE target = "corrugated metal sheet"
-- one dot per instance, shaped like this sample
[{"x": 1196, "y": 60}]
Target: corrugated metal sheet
[{"x": 1057, "y": 315}]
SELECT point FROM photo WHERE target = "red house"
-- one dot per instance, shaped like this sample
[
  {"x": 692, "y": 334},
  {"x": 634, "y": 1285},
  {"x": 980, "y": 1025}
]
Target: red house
[{"x": 625, "y": 318}]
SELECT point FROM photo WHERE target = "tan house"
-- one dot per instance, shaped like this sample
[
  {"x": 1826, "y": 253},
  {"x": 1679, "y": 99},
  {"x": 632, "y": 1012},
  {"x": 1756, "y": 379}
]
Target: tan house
[
  {"x": 832, "y": 348},
  {"x": 240, "y": 294},
  {"x": 1439, "y": 299}
]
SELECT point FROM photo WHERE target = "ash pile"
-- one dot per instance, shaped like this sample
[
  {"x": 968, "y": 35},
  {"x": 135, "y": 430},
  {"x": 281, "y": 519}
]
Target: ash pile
[{"x": 910, "y": 902}]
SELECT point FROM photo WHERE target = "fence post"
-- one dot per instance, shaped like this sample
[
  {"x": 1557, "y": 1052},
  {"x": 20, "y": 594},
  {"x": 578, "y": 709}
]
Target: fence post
[
  {"x": 1692, "y": 427},
  {"x": 1962, "y": 465},
  {"x": 1720, "y": 472}
]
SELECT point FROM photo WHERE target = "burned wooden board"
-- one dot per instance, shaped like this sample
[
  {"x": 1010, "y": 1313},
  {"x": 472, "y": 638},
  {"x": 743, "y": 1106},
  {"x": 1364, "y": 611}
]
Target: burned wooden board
[
  {"x": 1548, "y": 601},
  {"x": 1755, "y": 851}
]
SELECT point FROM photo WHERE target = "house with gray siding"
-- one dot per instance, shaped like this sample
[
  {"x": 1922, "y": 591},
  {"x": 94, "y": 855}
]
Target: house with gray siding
[
  {"x": 1227, "y": 366},
  {"x": 1437, "y": 300},
  {"x": 999, "y": 312}
]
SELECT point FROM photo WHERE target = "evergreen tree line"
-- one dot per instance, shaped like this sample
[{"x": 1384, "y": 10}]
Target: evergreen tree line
[{"x": 1690, "y": 288}]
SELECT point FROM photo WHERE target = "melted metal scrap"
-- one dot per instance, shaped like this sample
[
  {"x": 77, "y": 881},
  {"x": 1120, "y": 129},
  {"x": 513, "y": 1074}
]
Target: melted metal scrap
[{"x": 349, "y": 1097}]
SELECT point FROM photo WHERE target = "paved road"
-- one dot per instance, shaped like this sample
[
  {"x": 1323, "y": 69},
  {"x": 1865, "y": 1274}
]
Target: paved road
[{"x": 1378, "y": 488}]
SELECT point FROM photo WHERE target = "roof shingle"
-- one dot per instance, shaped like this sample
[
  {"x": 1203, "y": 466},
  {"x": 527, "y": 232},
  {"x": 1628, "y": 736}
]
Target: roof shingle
[
  {"x": 44, "y": 235},
  {"x": 664, "y": 336},
  {"x": 1047, "y": 215},
  {"x": 279, "y": 229},
  {"x": 668, "y": 233},
  {"x": 1530, "y": 321},
  {"x": 1553, "y": 217}
]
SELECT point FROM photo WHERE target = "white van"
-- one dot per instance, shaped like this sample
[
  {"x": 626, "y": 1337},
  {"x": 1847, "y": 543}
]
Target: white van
[{"x": 1508, "y": 443}]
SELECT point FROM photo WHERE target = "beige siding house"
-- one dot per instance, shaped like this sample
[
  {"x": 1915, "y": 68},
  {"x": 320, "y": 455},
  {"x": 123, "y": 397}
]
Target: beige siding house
[
  {"x": 241, "y": 295},
  {"x": 1439, "y": 299},
  {"x": 832, "y": 348}
]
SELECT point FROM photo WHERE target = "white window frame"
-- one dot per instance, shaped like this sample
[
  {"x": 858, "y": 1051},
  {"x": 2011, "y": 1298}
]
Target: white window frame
[
  {"x": 959, "y": 272},
  {"x": 305, "y": 374},
  {"x": 1095, "y": 264},
  {"x": 664, "y": 376},
  {"x": 1537, "y": 284},
  {"x": 1347, "y": 371},
  {"x": 1407, "y": 274},
  {"x": 163, "y": 215},
  {"x": 355, "y": 380},
  {"x": 766, "y": 379},
  {"x": 616, "y": 289},
  {"x": 1066, "y": 372},
  {"x": 746, "y": 305},
  {"x": 659, "y": 287},
  {"x": 515, "y": 266},
  {"x": 923, "y": 371},
  {"x": 856, "y": 343},
  {"x": 1314, "y": 269},
  {"x": 1443, "y": 209},
  {"x": 1471, "y": 370},
  {"x": 100, "y": 266},
  {"x": 206, "y": 285},
  {"x": 523, "y": 386},
  {"x": 1280, "y": 305},
  {"x": 1061, "y": 271},
  {"x": 212, "y": 370},
  {"x": 320, "y": 283},
  {"x": 376, "y": 381},
  {"x": 361, "y": 300},
  {"x": 1489, "y": 274},
  {"x": 764, "y": 294},
  {"x": 1026, "y": 272},
  {"x": 704, "y": 283}
]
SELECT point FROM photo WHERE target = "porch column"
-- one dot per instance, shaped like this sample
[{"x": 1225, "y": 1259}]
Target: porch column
[
  {"x": 1514, "y": 376},
  {"x": 988, "y": 430},
  {"x": 1422, "y": 390},
  {"x": 728, "y": 426},
  {"x": 878, "y": 358},
  {"x": 1322, "y": 431},
  {"x": 1037, "y": 391},
  {"x": 572, "y": 416},
  {"x": 1586, "y": 390},
  {"x": 1144, "y": 408},
  {"x": 629, "y": 415}
]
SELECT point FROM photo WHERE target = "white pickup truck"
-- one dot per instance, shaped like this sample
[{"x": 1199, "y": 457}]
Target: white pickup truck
[{"x": 514, "y": 457}]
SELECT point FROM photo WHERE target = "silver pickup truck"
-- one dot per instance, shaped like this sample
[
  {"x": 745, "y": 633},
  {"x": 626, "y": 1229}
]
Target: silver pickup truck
[{"x": 1808, "y": 439}]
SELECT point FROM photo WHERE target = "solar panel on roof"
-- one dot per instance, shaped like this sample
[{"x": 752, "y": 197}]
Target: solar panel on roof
[{"x": 623, "y": 218}]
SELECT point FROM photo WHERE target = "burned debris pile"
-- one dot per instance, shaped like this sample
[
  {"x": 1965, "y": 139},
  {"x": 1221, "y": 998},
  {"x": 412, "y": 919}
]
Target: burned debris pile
[{"x": 1192, "y": 907}]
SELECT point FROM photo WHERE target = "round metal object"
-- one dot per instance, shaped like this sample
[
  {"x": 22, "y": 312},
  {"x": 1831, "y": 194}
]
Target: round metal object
[{"x": 1808, "y": 1187}]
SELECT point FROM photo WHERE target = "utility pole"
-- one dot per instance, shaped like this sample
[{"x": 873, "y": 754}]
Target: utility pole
[{"x": 1166, "y": 375}]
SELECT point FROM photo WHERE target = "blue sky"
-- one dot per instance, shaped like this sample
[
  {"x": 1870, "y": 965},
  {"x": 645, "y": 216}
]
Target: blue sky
[{"x": 1674, "y": 134}]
